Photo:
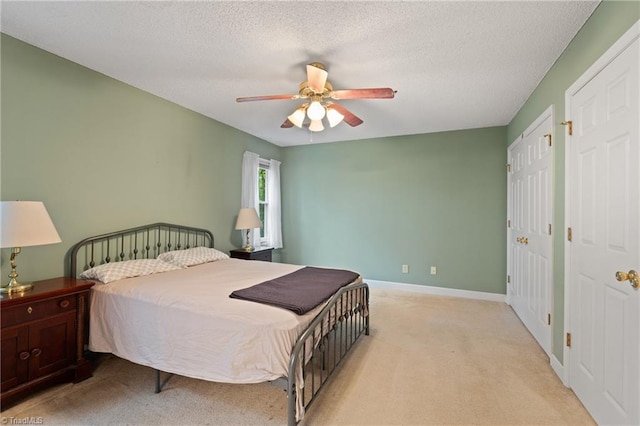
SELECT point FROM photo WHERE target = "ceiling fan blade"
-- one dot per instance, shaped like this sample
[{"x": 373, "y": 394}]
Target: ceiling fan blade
[
  {"x": 267, "y": 98},
  {"x": 286, "y": 124},
  {"x": 377, "y": 93},
  {"x": 316, "y": 77},
  {"x": 350, "y": 118}
]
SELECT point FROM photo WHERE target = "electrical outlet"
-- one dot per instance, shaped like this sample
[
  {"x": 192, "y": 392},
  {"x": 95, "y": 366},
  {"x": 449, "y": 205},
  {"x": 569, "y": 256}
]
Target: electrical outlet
[
  {"x": 433, "y": 270},
  {"x": 405, "y": 269}
]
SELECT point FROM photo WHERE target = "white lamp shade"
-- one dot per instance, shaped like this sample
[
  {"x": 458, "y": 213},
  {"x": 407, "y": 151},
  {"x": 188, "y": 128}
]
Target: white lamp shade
[
  {"x": 334, "y": 117},
  {"x": 316, "y": 111},
  {"x": 297, "y": 117},
  {"x": 26, "y": 223},
  {"x": 316, "y": 126},
  {"x": 248, "y": 219}
]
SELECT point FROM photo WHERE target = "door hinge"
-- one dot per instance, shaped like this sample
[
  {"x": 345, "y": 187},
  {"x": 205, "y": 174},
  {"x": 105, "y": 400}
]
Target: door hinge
[
  {"x": 549, "y": 229},
  {"x": 569, "y": 234},
  {"x": 508, "y": 279},
  {"x": 509, "y": 223},
  {"x": 568, "y": 340},
  {"x": 548, "y": 136},
  {"x": 548, "y": 319},
  {"x": 570, "y": 124},
  {"x": 508, "y": 168}
]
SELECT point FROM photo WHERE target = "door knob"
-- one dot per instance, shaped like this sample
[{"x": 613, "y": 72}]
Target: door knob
[{"x": 631, "y": 276}]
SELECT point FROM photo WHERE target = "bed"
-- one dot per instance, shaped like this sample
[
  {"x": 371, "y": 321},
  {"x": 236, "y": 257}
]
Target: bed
[{"x": 178, "y": 317}]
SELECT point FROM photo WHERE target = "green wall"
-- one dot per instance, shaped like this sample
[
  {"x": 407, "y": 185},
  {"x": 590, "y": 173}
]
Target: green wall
[
  {"x": 103, "y": 155},
  {"x": 609, "y": 21},
  {"x": 425, "y": 200}
]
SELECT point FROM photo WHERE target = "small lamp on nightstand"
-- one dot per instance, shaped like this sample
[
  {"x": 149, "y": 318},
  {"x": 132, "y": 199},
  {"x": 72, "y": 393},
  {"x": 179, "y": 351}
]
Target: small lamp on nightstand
[
  {"x": 23, "y": 224},
  {"x": 247, "y": 220}
]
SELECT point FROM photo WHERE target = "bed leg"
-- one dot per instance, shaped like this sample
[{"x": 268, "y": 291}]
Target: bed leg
[
  {"x": 159, "y": 384},
  {"x": 291, "y": 405},
  {"x": 366, "y": 326},
  {"x": 366, "y": 319}
]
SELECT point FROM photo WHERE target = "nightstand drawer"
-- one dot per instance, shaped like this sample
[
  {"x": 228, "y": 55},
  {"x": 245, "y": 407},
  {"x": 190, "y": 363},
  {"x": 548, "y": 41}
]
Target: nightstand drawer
[
  {"x": 37, "y": 310},
  {"x": 263, "y": 254}
]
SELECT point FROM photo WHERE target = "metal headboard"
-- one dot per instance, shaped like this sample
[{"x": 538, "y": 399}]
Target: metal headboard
[{"x": 142, "y": 242}]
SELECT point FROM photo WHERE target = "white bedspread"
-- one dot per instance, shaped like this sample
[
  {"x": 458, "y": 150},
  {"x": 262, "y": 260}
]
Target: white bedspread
[{"x": 184, "y": 322}]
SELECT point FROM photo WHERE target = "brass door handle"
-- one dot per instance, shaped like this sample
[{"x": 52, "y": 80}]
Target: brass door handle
[
  {"x": 522, "y": 240},
  {"x": 631, "y": 276}
]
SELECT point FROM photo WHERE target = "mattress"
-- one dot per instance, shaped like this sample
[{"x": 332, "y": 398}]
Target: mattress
[{"x": 184, "y": 322}]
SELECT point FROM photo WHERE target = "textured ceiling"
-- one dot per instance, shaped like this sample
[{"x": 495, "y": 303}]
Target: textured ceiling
[{"x": 455, "y": 65}]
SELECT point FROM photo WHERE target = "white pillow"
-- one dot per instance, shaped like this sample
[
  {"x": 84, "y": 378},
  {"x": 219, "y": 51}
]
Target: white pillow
[
  {"x": 129, "y": 268},
  {"x": 193, "y": 256}
]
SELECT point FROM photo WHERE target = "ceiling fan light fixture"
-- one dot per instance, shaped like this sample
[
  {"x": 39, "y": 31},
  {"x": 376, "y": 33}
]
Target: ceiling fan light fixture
[
  {"x": 316, "y": 111},
  {"x": 317, "y": 94},
  {"x": 297, "y": 116},
  {"x": 316, "y": 126},
  {"x": 334, "y": 117}
]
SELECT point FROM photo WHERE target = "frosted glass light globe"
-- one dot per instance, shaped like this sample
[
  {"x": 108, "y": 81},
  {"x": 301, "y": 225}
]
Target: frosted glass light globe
[
  {"x": 334, "y": 117},
  {"x": 316, "y": 111},
  {"x": 316, "y": 126}
]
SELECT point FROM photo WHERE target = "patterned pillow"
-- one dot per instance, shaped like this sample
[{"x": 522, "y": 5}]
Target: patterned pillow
[
  {"x": 129, "y": 268},
  {"x": 193, "y": 256}
]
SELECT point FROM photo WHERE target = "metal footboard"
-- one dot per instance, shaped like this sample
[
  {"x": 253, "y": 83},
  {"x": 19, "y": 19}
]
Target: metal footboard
[{"x": 320, "y": 348}]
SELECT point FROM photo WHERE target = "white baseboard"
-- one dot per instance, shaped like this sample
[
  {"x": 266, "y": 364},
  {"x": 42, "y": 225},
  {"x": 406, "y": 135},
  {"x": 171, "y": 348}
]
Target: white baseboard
[
  {"x": 559, "y": 369},
  {"x": 440, "y": 291}
]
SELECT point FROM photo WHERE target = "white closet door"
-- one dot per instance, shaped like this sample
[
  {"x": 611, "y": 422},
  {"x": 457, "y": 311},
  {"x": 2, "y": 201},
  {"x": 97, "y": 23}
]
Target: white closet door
[
  {"x": 604, "y": 194},
  {"x": 530, "y": 241}
]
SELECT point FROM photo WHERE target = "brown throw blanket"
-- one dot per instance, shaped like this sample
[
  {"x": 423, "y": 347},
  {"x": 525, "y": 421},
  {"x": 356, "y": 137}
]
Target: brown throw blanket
[{"x": 299, "y": 291}]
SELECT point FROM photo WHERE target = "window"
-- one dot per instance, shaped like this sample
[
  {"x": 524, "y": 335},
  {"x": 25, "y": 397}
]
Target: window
[
  {"x": 261, "y": 190},
  {"x": 263, "y": 201}
]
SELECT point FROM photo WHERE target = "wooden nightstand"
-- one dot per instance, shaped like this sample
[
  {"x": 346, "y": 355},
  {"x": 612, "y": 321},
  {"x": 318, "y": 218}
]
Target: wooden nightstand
[
  {"x": 263, "y": 254},
  {"x": 43, "y": 337}
]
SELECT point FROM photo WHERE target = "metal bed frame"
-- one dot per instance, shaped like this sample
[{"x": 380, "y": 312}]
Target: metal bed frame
[{"x": 319, "y": 349}]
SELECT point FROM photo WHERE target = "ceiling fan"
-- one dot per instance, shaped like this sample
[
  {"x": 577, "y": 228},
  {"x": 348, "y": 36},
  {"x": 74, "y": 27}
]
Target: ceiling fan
[{"x": 319, "y": 95}]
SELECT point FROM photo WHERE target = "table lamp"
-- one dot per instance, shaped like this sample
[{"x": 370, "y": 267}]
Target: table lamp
[
  {"x": 247, "y": 220},
  {"x": 23, "y": 224}
]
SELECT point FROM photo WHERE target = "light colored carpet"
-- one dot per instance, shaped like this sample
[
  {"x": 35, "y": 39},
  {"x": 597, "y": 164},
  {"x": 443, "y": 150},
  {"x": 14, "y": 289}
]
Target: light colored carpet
[{"x": 429, "y": 360}]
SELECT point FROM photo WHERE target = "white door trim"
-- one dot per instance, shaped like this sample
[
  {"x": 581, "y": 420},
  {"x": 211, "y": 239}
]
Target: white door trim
[{"x": 616, "y": 49}]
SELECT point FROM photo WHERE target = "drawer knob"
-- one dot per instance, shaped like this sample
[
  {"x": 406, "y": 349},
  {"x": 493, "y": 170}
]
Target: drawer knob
[
  {"x": 36, "y": 352},
  {"x": 64, "y": 304},
  {"x": 24, "y": 355},
  {"x": 29, "y": 309}
]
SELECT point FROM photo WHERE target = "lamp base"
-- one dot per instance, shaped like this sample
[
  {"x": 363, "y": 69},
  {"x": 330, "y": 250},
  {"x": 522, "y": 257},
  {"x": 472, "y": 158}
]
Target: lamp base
[
  {"x": 247, "y": 245},
  {"x": 15, "y": 287}
]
